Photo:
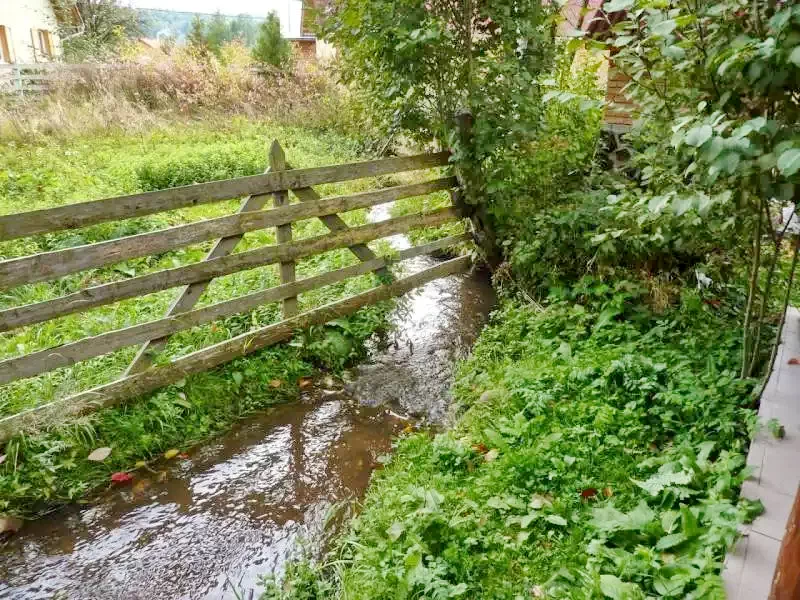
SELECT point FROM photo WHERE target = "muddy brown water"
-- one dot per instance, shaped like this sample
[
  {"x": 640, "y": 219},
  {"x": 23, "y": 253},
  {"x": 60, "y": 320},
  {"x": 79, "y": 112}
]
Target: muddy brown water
[{"x": 238, "y": 507}]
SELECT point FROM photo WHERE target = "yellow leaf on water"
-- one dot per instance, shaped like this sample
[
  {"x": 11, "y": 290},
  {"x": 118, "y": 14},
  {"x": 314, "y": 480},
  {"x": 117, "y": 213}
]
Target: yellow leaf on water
[{"x": 170, "y": 454}]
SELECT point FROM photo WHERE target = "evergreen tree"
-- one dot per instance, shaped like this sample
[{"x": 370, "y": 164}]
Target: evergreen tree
[
  {"x": 217, "y": 33},
  {"x": 196, "y": 37},
  {"x": 271, "y": 47}
]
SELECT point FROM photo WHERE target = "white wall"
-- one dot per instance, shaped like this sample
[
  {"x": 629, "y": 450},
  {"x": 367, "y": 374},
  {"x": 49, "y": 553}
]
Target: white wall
[{"x": 20, "y": 17}]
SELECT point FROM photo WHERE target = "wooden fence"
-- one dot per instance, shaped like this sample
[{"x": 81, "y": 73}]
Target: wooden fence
[
  {"x": 276, "y": 182},
  {"x": 26, "y": 79}
]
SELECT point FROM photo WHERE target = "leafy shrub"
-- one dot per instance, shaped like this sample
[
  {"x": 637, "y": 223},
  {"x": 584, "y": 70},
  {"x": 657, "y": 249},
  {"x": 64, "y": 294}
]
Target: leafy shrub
[{"x": 190, "y": 165}]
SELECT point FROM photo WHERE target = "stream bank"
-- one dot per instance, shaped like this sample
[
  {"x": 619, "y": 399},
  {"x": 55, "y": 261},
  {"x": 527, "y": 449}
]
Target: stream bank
[{"x": 208, "y": 525}]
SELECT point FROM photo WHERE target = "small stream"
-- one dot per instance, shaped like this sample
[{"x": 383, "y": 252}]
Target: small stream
[{"x": 209, "y": 525}]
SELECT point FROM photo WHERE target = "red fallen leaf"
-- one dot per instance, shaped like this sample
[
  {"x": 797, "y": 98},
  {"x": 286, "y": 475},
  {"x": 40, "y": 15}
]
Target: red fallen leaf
[
  {"x": 588, "y": 493},
  {"x": 122, "y": 477},
  {"x": 183, "y": 455},
  {"x": 480, "y": 448},
  {"x": 713, "y": 302},
  {"x": 794, "y": 361}
]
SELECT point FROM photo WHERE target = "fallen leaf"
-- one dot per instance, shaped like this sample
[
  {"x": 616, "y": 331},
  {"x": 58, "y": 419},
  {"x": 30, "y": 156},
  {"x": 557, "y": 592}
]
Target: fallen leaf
[
  {"x": 305, "y": 382},
  {"x": 2, "y": 458},
  {"x": 607, "y": 492},
  {"x": 99, "y": 455},
  {"x": 537, "y": 591},
  {"x": 10, "y": 525},
  {"x": 140, "y": 464},
  {"x": 480, "y": 448},
  {"x": 275, "y": 383},
  {"x": 162, "y": 477},
  {"x": 141, "y": 486},
  {"x": 183, "y": 455},
  {"x": 170, "y": 454},
  {"x": 121, "y": 477},
  {"x": 588, "y": 493},
  {"x": 794, "y": 361},
  {"x": 408, "y": 428},
  {"x": 491, "y": 455}
]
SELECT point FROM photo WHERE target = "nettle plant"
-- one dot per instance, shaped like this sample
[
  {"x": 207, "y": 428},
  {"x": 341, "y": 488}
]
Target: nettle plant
[{"x": 717, "y": 82}]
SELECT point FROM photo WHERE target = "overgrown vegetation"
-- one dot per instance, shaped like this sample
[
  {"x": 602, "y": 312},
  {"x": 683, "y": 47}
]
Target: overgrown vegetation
[
  {"x": 606, "y": 412},
  {"x": 38, "y": 471}
]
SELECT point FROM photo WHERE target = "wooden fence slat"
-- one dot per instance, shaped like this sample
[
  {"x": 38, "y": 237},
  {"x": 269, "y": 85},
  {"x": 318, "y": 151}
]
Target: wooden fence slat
[
  {"x": 335, "y": 224},
  {"x": 202, "y": 360},
  {"x": 191, "y": 293},
  {"x": 283, "y": 233},
  {"x": 88, "y": 213},
  {"x": 51, "y": 265},
  {"x": 66, "y": 355},
  {"x": 145, "y": 284}
]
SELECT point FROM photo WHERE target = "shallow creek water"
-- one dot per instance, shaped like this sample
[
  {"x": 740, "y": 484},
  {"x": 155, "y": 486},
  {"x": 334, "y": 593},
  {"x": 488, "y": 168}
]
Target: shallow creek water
[{"x": 238, "y": 506}]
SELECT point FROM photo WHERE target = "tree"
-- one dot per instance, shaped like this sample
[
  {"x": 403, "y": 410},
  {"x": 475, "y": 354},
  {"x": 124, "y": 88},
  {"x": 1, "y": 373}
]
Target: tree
[
  {"x": 217, "y": 33},
  {"x": 243, "y": 28},
  {"x": 717, "y": 82},
  {"x": 102, "y": 26},
  {"x": 196, "y": 38},
  {"x": 271, "y": 47}
]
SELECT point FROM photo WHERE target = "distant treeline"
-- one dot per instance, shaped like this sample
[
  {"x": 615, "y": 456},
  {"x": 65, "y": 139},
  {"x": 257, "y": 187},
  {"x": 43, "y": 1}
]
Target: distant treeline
[{"x": 157, "y": 23}]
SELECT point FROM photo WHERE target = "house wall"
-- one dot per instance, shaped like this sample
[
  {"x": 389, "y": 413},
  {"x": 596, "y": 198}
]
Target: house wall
[{"x": 22, "y": 20}]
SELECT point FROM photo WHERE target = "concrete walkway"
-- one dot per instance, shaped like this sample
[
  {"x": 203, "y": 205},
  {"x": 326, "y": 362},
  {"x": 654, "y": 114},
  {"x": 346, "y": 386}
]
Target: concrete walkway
[{"x": 750, "y": 566}]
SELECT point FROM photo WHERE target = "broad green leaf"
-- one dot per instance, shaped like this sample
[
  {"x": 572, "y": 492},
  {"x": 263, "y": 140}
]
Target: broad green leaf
[
  {"x": 789, "y": 162},
  {"x": 395, "y": 531},
  {"x": 617, "y": 5},
  {"x": 670, "y": 541},
  {"x": 556, "y": 520},
  {"x": 664, "y": 28},
  {"x": 794, "y": 57},
  {"x": 616, "y": 589},
  {"x": 697, "y": 136}
]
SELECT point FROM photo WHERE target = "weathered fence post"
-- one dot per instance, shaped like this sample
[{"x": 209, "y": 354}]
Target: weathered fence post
[
  {"x": 283, "y": 233},
  {"x": 469, "y": 199}
]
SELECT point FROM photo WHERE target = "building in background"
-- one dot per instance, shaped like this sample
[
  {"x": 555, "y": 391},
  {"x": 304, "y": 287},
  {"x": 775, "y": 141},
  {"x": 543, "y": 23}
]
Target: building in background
[{"x": 28, "y": 32}]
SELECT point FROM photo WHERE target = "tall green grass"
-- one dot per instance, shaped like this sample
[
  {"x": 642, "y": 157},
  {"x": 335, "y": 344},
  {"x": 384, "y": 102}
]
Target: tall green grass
[{"x": 51, "y": 467}]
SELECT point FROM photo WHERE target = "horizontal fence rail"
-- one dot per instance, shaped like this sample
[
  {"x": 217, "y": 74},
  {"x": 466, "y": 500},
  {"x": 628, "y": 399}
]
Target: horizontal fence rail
[
  {"x": 277, "y": 183},
  {"x": 50, "y": 265},
  {"x": 74, "y": 216}
]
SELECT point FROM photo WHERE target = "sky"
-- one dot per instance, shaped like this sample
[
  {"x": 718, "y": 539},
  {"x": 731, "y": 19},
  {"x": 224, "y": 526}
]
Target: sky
[
  {"x": 288, "y": 10},
  {"x": 258, "y": 8}
]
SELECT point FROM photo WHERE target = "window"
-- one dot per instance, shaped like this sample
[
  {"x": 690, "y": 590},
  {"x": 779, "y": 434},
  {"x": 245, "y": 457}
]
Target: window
[
  {"x": 5, "y": 45},
  {"x": 45, "y": 46}
]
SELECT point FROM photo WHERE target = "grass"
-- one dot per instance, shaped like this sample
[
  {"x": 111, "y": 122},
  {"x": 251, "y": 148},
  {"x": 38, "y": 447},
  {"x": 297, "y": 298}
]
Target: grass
[
  {"x": 599, "y": 453},
  {"x": 49, "y": 468}
]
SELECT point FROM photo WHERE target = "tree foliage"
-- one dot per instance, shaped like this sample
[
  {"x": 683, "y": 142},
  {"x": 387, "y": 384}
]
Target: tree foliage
[
  {"x": 271, "y": 48},
  {"x": 103, "y": 26},
  {"x": 716, "y": 81}
]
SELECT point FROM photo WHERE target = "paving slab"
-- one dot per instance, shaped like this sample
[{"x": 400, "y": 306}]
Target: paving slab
[{"x": 750, "y": 565}]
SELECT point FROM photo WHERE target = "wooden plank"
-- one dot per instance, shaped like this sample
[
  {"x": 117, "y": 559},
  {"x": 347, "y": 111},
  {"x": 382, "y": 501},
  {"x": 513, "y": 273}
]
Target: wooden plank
[
  {"x": 191, "y": 294},
  {"x": 146, "y": 284},
  {"x": 283, "y": 233},
  {"x": 67, "y": 355},
  {"x": 73, "y": 216},
  {"x": 157, "y": 377},
  {"x": 335, "y": 224},
  {"x": 51, "y": 265}
]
